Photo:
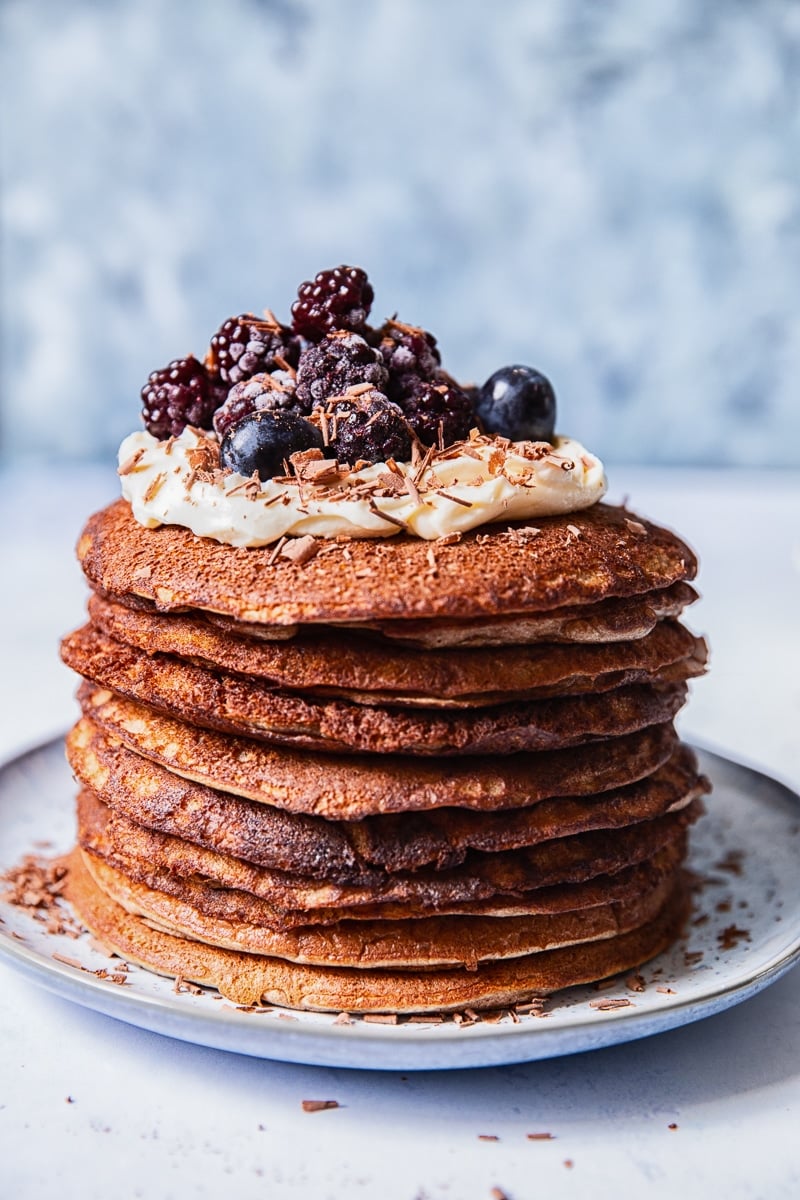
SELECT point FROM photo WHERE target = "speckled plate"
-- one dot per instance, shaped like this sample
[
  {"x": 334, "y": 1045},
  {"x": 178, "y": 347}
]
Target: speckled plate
[{"x": 745, "y": 934}]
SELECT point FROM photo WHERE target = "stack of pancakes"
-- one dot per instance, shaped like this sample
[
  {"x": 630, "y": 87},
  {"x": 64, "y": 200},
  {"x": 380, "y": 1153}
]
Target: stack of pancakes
[{"x": 397, "y": 776}]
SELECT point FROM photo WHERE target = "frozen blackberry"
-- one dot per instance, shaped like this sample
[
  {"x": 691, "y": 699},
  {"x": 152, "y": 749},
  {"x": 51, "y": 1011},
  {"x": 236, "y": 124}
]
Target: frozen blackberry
[
  {"x": 263, "y": 442},
  {"x": 439, "y": 411},
  {"x": 365, "y": 425},
  {"x": 407, "y": 351},
  {"x": 336, "y": 299},
  {"x": 247, "y": 345},
  {"x": 180, "y": 394},
  {"x": 272, "y": 393},
  {"x": 340, "y": 361}
]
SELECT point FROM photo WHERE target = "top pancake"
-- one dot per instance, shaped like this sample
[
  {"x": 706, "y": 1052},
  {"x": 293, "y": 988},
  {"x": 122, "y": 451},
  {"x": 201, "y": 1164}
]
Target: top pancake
[{"x": 575, "y": 559}]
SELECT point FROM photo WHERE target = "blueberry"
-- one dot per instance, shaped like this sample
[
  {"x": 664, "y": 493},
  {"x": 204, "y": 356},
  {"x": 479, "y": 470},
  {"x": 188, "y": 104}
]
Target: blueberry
[
  {"x": 518, "y": 403},
  {"x": 261, "y": 441}
]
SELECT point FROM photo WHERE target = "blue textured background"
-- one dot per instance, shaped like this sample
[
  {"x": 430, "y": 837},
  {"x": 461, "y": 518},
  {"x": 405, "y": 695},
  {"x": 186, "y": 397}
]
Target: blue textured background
[{"x": 607, "y": 191}]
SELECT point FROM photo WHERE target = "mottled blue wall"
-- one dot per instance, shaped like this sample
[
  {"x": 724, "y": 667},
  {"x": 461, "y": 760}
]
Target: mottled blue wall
[{"x": 608, "y": 191}]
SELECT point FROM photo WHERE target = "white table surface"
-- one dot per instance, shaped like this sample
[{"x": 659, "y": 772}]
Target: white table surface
[{"x": 90, "y": 1106}]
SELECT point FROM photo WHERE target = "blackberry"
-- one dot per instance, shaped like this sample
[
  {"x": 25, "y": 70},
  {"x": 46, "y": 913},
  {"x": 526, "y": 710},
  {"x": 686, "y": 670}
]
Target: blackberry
[
  {"x": 407, "y": 351},
  {"x": 180, "y": 394},
  {"x": 365, "y": 425},
  {"x": 438, "y": 411},
  {"x": 518, "y": 403},
  {"x": 273, "y": 393},
  {"x": 263, "y": 441},
  {"x": 336, "y": 299},
  {"x": 247, "y": 345},
  {"x": 340, "y": 361}
]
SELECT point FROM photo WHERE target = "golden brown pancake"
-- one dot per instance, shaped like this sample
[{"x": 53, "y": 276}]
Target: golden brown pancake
[
  {"x": 342, "y": 665},
  {"x": 250, "y": 979},
  {"x": 481, "y": 876},
  {"x": 340, "y": 851},
  {"x": 242, "y": 706},
  {"x": 234, "y": 705},
  {"x": 615, "y": 620},
  {"x": 579, "y": 558},
  {"x": 235, "y": 921},
  {"x": 349, "y": 787}
]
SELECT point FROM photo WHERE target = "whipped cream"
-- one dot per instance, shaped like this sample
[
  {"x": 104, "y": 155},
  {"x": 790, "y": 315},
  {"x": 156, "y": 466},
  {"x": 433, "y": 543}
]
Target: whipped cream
[{"x": 470, "y": 484}]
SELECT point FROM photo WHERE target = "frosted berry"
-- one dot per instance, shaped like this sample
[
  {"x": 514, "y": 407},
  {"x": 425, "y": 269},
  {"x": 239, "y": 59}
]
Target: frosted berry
[
  {"x": 439, "y": 412},
  {"x": 518, "y": 403},
  {"x": 369, "y": 427},
  {"x": 248, "y": 345},
  {"x": 263, "y": 442},
  {"x": 340, "y": 361},
  {"x": 273, "y": 393},
  {"x": 337, "y": 299},
  {"x": 180, "y": 394},
  {"x": 408, "y": 351}
]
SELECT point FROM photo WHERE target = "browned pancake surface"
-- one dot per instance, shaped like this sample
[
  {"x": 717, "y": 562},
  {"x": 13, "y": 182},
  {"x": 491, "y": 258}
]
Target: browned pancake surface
[
  {"x": 235, "y": 921},
  {"x": 242, "y": 706},
  {"x": 564, "y": 860},
  {"x": 250, "y": 979},
  {"x": 150, "y": 795},
  {"x": 579, "y": 558},
  {"x": 349, "y": 787},
  {"x": 341, "y": 664}
]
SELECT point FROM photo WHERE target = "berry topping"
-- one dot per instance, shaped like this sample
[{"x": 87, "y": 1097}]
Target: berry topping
[
  {"x": 179, "y": 395},
  {"x": 340, "y": 361},
  {"x": 439, "y": 412},
  {"x": 365, "y": 426},
  {"x": 263, "y": 441},
  {"x": 407, "y": 351},
  {"x": 337, "y": 299},
  {"x": 245, "y": 346},
  {"x": 518, "y": 403},
  {"x": 273, "y": 393}
]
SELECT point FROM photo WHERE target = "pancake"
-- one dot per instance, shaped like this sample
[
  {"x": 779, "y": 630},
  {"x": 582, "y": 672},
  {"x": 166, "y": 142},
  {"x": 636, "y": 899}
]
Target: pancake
[
  {"x": 252, "y": 979},
  {"x": 104, "y": 840},
  {"x": 579, "y": 558},
  {"x": 149, "y": 795},
  {"x": 233, "y": 705},
  {"x": 241, "y": 706},
  {"x": 349, "y": 787},
  {"x": 481, "y": 876},
  {"x": 234, "y": 921},
  {"x": 349, "y": 667},
  {"x": 616, "y": 620}
]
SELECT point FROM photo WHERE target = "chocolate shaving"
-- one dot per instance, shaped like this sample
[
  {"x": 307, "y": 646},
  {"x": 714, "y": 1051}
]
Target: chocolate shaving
[
  {"x": 154, "y": 486},
  {"x": 300, "y": 550},
  {"x": 131, "y": 463},
  {"x": 318, "y": 1105},
  {"x": 610, "y": 1004},
  {"x": 540, "y": 1137}
]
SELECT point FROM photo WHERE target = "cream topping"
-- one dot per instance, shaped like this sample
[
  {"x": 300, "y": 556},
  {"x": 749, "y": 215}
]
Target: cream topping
[{"x": 472, "y": 483}]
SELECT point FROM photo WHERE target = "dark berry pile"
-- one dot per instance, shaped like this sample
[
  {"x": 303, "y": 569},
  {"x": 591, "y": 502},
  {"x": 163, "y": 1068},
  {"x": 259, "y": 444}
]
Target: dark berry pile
[
  {"x": 339, "y": 361},
  {"x": 245, "y": 346},
  {"x": 367, "y": 427},
  {"x": 381, "y": 390},
  {"x": 273, "y": 393},
  {"x": 180, "y": 394},
  {"x": 337, "y": 299}
]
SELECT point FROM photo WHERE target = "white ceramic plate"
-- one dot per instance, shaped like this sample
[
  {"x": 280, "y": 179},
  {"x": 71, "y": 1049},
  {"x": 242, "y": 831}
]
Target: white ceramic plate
[{"x": 747, "y": 849}]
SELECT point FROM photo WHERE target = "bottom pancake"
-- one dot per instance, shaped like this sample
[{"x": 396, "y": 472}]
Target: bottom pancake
[{"x": 247, "y": 978}]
